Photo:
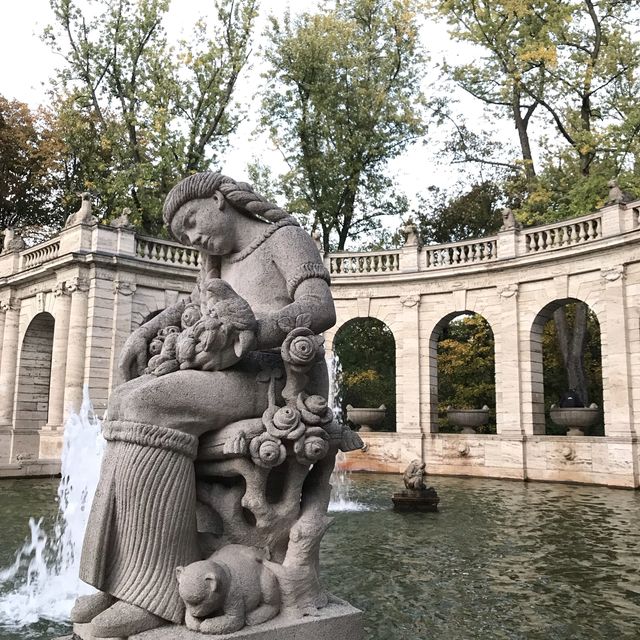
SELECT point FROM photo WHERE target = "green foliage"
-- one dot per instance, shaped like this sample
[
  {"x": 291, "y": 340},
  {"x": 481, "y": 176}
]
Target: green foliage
[
  {"x": 366, "y": 349},
  {"x": 555, "y": 375},
  {"x": 569, "y": 66},
  {"x": 466, "y": 369},
  {"x": 343, "y": 99},
  {"x": 136, "y": 114},
  {"x": 474, "y": 214},
  {"x": 27, "y": 156}
]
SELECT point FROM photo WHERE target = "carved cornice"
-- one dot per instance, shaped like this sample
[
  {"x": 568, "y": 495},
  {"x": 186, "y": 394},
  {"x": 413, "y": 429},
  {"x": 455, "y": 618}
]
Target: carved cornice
[
  {"x": 60, "y": 289},
  {"x": 11, "y": 304},
  {"x": 613, "y": 273},
  {"x": 508, "y": 291},
  {"x": 77, "y": 284},
  {"x": 410, "y": 300},
  {"x": 124, "y": 288}
]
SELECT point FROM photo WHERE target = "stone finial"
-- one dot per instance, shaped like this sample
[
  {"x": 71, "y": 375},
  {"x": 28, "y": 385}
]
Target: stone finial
[
  {"x": 13, "y": 241},
  {"x": 509, "y": 221},
  {"x": 122, "y": 221},
  {"x": 617, "y": 195},
  {"x": 409, "y": 231},
  {"x": 83, "y": 215}
]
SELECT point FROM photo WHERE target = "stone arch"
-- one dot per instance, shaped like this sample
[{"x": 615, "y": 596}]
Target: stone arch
[
  {"x": 383, "y": 363},
  {"x": 536, "y": 369},
  {"x": 434, "y": 338},
  {"x": 34, "y": 373}
]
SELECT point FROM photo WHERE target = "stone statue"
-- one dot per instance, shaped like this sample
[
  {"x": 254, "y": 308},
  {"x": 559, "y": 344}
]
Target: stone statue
[
  {"x": 83, "y": 215},
  {"x": 617, "y": 195},
  {"x": 235, "y": 379},
  {"x": 416, "y": 496},
  {"x": 13, "y": 241},
  {"x": 122, "y": 221},
  {"x": 414, "y": 476},
  {"x": 509, "y": 221},
  {"x": 409, "y": 231}
]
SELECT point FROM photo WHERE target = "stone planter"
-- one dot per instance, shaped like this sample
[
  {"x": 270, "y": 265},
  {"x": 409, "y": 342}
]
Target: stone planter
[
  {"x": 468, "y": 419},
  {"x": 575, "y": 418},
  {"x": 366, "y": 417}
]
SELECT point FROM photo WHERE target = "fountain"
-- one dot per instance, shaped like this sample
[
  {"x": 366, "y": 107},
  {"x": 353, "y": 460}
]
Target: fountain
[
  {"x": 43, "y": 581},
  {"x": 341, "y": 484}
]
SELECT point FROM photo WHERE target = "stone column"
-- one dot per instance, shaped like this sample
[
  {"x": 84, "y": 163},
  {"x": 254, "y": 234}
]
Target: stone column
[
  {"x": 616, "y": 371},
  {"x": 74, "y": 374},
  {"x": 62, "y": 310},
  {"x": 8, "y": 375},
  {"x": 123, "y": 307},
  {"x": 51, "y": 435},
  {"x": 511, "y": 402},
  {"x": 408, "y": 367}
]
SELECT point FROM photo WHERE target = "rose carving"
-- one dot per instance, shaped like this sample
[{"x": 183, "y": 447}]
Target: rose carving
[
  {"x": 312, "y": 446},
  {"x": 314, "y": 409},
  {"x": 301, "y": 348},
  {"x": 283, "y": 422},
  {"x": 267, "y": 451}
]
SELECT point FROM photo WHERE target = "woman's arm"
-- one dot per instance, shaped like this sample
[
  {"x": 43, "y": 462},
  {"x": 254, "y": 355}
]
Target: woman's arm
[
  {"x": 311, "y": 297},
  {"x": 296, "y": 257}
]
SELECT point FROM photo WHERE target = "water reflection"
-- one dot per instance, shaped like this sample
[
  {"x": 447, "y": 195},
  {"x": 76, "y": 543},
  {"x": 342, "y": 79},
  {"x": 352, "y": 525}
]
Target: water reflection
[{"x": 500, "y": 561}]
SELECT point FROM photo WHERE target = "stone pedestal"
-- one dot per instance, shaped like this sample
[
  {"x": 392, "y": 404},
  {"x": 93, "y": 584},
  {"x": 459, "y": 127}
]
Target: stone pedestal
[
  {"x": 337, "y": 620},
  {"x": 413, "y": 500}
]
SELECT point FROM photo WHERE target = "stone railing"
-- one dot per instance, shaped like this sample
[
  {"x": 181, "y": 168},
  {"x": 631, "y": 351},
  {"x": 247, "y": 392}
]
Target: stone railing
[
  {"x": 604, "y": 225},
  {"x": 40, "y": 254},
  {"x": 165, "y": 251},
  {"x": 563, "y": 234},
  {"x": 358, "y": 263},
  {"x": 460, "y": 253}
]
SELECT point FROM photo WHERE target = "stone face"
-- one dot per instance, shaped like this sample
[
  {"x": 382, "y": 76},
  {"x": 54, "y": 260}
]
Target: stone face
[{"x": 214, "y": 486}]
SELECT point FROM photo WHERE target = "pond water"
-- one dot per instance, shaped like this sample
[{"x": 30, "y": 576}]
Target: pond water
[{"x": 501, "y": 560}]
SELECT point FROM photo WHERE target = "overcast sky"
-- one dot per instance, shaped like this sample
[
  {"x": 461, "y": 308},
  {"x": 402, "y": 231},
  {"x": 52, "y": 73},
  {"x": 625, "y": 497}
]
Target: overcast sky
[{"x": 27, "y": 64}]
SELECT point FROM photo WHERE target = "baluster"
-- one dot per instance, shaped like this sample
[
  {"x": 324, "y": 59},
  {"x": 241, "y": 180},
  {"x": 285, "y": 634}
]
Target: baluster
[
  {"x": 530, "y": 243},
  {"x": 582, "y": 232}
]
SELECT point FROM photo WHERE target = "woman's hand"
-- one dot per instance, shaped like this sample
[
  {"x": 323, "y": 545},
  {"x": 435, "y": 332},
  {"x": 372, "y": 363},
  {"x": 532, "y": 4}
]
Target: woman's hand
[{"x": 133, "y": 359}]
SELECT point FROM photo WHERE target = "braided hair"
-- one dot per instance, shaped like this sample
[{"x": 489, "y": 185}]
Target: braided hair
[{"x": 239, "y": 194}]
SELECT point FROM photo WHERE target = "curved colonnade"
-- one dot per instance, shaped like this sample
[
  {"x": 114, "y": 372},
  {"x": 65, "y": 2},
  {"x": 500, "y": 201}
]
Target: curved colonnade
[{"x": 72, "y": 301}]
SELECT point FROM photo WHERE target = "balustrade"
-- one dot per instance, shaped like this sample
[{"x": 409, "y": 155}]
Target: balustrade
[
  {"x": 564, "y": 234},
  {"x": 460, "y": 253},
  {"x": 356, "y": 263},
  {"x": 40, "y": 254},
  {"x": 165, "y": 251}
]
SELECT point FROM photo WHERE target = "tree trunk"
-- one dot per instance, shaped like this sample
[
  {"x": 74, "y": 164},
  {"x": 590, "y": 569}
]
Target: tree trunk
[{"x": 571, "y": 343}]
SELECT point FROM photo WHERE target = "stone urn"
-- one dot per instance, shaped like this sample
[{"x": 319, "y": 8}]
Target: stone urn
[
  {"x": 367, "y": 418},
  {"x": 468, "y": 419},
  {"x": 576, "y": 419}
]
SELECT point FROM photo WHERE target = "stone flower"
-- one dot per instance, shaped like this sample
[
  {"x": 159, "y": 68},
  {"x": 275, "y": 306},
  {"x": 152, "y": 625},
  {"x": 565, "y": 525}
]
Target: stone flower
[
  {"x": 314, "y": 409},
  {"x": 301, "y": 348},
  {"x": 312, "y": 446},
  {"x": 283, "y": 422},
  {"x": 267, "y": 451}
]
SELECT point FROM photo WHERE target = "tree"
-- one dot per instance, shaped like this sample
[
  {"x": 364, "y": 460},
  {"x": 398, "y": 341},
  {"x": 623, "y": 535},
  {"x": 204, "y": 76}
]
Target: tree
[
  {"x": 466, "y": 366},
  {"x": 26, "y": 157},
  {"x": 474, "y": 214},
  {"x": 343, "y": 98},
  {"x": 367, "y": 350},
  {"x": 569, "y": 64},
  {"x": 135, "y": 113}
]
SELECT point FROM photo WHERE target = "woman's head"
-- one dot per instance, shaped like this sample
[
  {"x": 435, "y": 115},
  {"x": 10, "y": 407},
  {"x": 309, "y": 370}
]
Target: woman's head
[{"x": 221, "y": 190}]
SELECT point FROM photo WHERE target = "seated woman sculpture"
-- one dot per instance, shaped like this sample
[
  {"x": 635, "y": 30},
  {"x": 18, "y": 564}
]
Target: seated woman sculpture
[{"x": 142, "y": 522}]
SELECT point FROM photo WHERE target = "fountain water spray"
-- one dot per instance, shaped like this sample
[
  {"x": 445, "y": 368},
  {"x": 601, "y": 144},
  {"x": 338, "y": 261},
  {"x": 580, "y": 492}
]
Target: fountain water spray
[
  {"x": 340, "y": 480},
  {"x": 43, "y": 580}
]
